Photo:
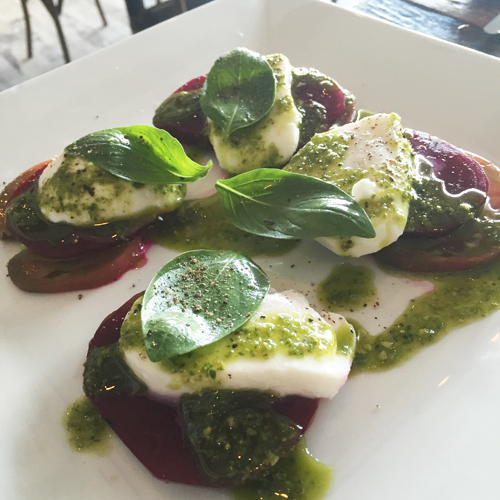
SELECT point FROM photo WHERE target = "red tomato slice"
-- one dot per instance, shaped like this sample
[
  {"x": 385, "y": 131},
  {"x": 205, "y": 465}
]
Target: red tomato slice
[{"x": 33, "y": 273}]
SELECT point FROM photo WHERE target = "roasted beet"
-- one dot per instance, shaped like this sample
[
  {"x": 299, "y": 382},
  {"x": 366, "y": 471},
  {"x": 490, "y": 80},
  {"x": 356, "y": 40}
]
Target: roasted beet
[
  {"x": 18, "y": 186},
  {"x": 60, "y": 240},
  {"x": 33, "y": 273},
  {"x": 450, "y": 187},
  {"x": 451, "y": 253},
  {"x": 433, "y": 210},
  {"x": 181, "y": 115},
  {"x": 456, "y": 168},
  {"x": 151, "y": 429},
  {"x": 322, "y": 102}
]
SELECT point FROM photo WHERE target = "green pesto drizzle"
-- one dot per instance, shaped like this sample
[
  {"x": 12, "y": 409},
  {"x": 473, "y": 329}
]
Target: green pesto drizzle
[
  {"x": 322, "y": 157},
  {"x": 79, "y": 187},
  {"x": 86, "y": 430},
  {"x": 457, "y": 300},
  {"x": 327, "y": 157},
  {"x": 236, "y": 435},
  {"x": 347, "y": 288},
  {"x": 259, "y": 339},
  {"x": 202, "y": 224},
  {"x": 297, "y": 476}
]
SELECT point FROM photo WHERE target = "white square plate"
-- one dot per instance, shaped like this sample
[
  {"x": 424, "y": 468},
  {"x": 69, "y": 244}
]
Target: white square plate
[{"x": 402, "y": 434}]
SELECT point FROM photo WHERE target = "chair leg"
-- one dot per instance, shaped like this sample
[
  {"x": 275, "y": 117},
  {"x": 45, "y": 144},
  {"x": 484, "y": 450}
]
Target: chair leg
[
  {"x": 101, "y": 12},
  {"x": 62, "y": 40},
  {"x": 53, "y": 11},
  {"x": 29, "y": 41}
]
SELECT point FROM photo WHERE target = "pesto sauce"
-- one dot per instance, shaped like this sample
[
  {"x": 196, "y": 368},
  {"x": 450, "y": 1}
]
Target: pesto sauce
[
  {"x": 236, "y": 435},
  {"x": 347, "y": 287},
  {"x": 314, "y": 114},
  {"x": 106, "y": 372},
  {"x": 322, "y": 157},
  {"x": 178, "y": 108},
  {"x": 298, "y": 476},
  {"x": 84, "y": 194},
  {"x": 258, "y": 339},
  {"x": 433, "y": 209},
  {"x": 249, "y": 148},
  {"x": 202, "y": 225},
  {"x": 86, "y": 429},
  {"x": 340, "y": 156},
  {"x": 457, "y": 300}
]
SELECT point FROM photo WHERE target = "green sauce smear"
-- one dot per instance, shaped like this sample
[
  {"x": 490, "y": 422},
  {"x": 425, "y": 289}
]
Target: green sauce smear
[
  {"x": 457, "y": 300},
  {"x": 298, "y": 476},
  {"x": 86, "y": 429},
  {"x": 202, "y": 224},
  {"x": 347, "y": 287}
]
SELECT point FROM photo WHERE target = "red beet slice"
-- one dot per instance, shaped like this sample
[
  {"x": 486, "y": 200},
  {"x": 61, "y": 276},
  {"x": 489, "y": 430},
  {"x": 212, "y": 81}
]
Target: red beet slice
[
  {"x": 457, "y": 169},
  {"x": 19, "y": 185},
  {"x": 194, "y": 84},
  {"x": 322, "y": 100},
  {"x": 150, "y": 428},
  {"x": 181, "y": 115},
  {"x": 493, "y": 174},
  {"x": 319, "y": 92},
  {"x": 25, "y": 223},
  {"x": 33, "y": 273}
]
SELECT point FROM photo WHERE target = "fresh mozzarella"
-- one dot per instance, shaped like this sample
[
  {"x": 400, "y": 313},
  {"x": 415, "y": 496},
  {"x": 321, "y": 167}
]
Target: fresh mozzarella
[
  {"x": 271, "y": 141},
  {"x": 285, "y": 347},
  {"x": 371, "y": 160},
  {"x": 78, "y": 192}
]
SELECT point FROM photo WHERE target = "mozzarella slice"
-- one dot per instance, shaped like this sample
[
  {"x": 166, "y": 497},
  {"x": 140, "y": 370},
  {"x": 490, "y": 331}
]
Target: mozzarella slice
[
  {"x": 271, "y": 141},
  {"x": 75, "y": 191},
  {"x": 370, "y": 160},
  {"x": 286, "y": 348}
]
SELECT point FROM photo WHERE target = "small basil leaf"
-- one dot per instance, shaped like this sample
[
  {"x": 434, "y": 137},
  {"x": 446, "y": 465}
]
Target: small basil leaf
[
  {"x": 139, "y": 154},
  {"x": 240, "y": 89},
  {"x": 197, "y": 298},
  {"x": 285, "y": 205}
]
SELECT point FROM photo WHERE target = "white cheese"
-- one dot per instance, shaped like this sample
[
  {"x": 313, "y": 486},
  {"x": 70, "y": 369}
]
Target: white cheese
[
  {"x": 75, "y": 191},
  {"x": 271, "y": 141},
  {"x": 370, "y": 160},
  {"x": 318, "y": 372}
]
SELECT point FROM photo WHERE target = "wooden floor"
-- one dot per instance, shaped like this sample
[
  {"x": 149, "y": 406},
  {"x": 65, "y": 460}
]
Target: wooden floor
[{"x": 82, "y": 26}]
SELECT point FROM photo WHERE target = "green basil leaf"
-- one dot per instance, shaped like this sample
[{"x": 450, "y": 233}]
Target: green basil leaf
[
  {"x": 197, "y": 298},
  {"x": 139, "y": 154},
  {"x": 240, "y": 89},
  {"x": 281, "y": 204}
]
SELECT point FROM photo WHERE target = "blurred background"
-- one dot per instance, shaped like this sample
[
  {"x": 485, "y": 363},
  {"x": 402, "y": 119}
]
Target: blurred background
[{"x": 39, "y": 35}]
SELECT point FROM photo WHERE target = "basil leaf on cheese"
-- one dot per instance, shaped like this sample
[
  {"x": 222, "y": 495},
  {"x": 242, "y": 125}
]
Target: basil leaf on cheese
[
  {"x": 139, "y": 153},
  {"x": 197, "y": 298},
  {"x": 280, "y": 204},
  {"x": 240, "y": 89}
]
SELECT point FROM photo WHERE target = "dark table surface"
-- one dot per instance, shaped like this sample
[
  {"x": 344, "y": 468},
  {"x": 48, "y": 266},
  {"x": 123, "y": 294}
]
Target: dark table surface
[{"x": 458, "y": 21}]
